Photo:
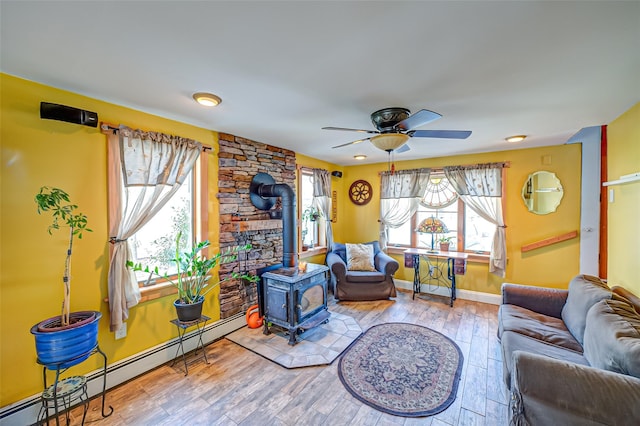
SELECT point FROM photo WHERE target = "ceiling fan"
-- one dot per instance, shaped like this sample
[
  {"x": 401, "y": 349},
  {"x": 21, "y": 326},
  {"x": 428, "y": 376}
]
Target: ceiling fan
[{"x": 395, "y": 126}]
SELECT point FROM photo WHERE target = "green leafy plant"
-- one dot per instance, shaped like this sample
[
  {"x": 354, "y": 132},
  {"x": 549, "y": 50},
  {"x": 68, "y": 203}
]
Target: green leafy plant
[
  {"x": 57, "y": 201},
  {"x": 192, "y": 277},
  {"x": 444, "y": 239},
  {"x": 311, "y": 214}
]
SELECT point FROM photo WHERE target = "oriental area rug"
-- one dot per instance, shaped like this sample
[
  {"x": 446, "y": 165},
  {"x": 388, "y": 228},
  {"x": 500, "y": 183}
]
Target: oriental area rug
[
  {"x": 402, "y": 369},
  {"x": 320, "y": 345}
]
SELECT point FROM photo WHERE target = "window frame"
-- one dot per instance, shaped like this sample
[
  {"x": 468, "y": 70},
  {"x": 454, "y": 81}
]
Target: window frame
[
  {"x": 200, "y": 221},
  {"x": 460, "y": 233},
  {"x": 320, "y": 228}
]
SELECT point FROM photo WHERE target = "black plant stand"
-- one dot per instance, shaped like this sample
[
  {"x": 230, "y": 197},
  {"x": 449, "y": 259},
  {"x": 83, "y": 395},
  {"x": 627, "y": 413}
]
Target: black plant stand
[
  {"x": 77, "y": 391},
  {"x": 182, "y": 329}
]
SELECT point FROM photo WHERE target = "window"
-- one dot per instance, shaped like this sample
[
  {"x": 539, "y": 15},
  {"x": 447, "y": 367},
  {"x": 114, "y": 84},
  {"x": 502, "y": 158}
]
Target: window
[
  {"x": 469, "y": 231},
  {"x": 310, "y": 219},
  {"x": 154, "y": 243}
]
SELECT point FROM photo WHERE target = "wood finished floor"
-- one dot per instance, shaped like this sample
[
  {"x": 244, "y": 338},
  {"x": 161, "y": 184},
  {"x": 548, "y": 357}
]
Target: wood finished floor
[{"x": 239, "y": 387}]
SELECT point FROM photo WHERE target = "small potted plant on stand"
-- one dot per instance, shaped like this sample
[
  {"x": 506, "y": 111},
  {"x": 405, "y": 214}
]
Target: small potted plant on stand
[
  {"x": 68, "y": 339},
  {"x": 192, "y": 276},
  {"x": 444, "y": 242}
]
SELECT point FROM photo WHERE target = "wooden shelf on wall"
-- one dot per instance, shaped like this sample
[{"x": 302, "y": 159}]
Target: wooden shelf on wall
[
  {"x": 633, "y": 177},
  {"x": 256, "y": 225},
  {"x": 549, "y": 241}
]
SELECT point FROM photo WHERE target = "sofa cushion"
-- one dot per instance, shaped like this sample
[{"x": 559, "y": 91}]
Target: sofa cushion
[
  {"x": 360, "y": 257},
  {"x": 612, "y": 337},
  {"x": 584, "y": 292},
  {"x": 538, "y": 326},
  {"x": 365, "y": 277},
  {"x": 512, "y": 341}
]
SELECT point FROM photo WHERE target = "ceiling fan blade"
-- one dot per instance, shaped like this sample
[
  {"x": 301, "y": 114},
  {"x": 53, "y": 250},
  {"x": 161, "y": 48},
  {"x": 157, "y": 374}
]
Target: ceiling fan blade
[
  {"x": 350, "y": 130},
  {"x": 351, "y": 143},
  {"x": 442, "y": 134},
  {"x": 403, "y": 148},
  {"x": 418, "y": 119}
]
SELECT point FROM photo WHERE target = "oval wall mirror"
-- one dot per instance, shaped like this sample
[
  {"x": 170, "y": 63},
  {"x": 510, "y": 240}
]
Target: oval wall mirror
[{"x": 542, "y": 192}]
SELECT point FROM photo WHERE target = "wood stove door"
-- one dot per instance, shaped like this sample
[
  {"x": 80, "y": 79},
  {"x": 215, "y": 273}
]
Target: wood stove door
[{"x": 277, "y": 304}]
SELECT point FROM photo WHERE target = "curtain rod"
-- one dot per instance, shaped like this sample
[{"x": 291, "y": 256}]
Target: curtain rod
[{"x": 106, "y": 127}]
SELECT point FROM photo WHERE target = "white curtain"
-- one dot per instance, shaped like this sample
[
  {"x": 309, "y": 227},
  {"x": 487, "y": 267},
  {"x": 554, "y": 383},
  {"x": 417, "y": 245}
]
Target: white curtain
[
  {"x": 480, "y": 187},
  {"x": 400, "y": 194},
  {"x": 322, "y": 200},
  {"x": 151, "y": 167}
]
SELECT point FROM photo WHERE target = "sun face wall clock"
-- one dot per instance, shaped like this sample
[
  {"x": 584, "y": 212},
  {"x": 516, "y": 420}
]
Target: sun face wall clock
[{"x": 360, "y": 192}]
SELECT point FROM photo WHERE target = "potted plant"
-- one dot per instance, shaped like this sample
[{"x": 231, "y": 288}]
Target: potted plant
[
  {"x": 67, "y": 339},
  {"x": 192, "y": 276},
  {"x": 444, "y": 243}
]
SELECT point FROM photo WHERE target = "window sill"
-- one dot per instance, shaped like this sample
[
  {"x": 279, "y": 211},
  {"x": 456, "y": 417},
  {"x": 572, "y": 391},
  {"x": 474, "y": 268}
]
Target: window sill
[
  {"x": 157, "y": 291},
  {"x": 471, "y": 257},
  {"x": 312, "y": 252}
]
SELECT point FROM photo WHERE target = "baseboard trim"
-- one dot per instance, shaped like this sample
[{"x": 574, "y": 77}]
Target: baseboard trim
[
  {"x": 25, "y": 412},
  {"x": 476, "y": 296}
]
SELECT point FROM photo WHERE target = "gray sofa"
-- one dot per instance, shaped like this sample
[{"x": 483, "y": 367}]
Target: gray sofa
[
  {"x": 571, "y": 357},
  {"x": 361, "y": 285}
]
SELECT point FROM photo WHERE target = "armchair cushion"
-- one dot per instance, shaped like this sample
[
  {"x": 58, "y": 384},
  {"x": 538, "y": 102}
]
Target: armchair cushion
[{"x": 360, "y": 257}]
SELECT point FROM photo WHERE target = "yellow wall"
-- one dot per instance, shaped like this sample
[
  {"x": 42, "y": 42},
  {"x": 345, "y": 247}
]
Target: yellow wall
[
  {"x": 623, "y": 158},
  {"x": 38, "y": 152},
  {"x": 552, "y": 266}
]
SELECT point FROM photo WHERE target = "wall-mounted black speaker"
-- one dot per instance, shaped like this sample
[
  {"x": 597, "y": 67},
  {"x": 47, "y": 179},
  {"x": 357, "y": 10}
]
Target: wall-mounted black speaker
[
  {"x": 336, "y": 173},
  {"x": 68, "y": 114}
]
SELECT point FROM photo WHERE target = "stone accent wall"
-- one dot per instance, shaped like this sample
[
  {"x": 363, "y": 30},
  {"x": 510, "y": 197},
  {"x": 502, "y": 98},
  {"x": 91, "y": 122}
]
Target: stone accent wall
[{"x": 239, "y": 160}]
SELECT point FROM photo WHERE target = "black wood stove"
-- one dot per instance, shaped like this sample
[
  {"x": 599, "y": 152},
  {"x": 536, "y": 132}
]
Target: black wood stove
[
  {"x": 295, "y": 300},
  {"x": 287, "y": 296}
]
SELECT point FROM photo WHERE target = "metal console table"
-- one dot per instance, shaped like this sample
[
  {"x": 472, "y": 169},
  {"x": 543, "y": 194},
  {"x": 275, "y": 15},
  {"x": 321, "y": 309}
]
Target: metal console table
[
  {"x": 456, "y": 263},
  {"x": 69, "y": 390},
  {"x": 182, "y": 329}
]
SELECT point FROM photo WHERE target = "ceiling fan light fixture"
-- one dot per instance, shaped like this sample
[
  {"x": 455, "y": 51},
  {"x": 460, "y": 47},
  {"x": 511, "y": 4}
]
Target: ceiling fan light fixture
[
  {"x": 389, "y": 141},
  {"x": 516, "y": 138},
  {"x": 207, "y": 99},
  {"x": 359, "y": 157}
]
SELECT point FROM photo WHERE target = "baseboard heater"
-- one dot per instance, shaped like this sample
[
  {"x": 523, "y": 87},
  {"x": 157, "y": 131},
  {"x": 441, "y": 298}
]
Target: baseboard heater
[{"x": 26, "y": 410}]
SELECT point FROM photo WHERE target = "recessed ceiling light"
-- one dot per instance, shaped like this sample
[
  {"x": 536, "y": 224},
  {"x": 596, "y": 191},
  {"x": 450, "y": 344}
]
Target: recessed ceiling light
[
  {"x": 360, "y": 157},
  {"x": 516, "y": 138},
  {"x": 207, "y": 99}
]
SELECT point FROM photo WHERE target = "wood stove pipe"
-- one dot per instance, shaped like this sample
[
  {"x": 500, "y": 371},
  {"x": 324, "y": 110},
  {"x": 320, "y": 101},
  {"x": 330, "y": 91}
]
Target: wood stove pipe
[{"x": 262, "y": 191}]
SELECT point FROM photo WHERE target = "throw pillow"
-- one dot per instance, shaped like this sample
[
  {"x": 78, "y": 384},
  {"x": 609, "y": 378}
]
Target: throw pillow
[
  {"x": 360, "y": 257},
  {"x": 612, "y": 337},
  {"x": 584, "y": 292}
]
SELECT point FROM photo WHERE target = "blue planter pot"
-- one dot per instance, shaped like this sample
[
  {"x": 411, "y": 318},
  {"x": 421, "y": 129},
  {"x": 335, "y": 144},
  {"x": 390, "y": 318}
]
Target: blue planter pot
[
  {"x": 63, "y": 347},
  {"x": 189, "y": 312}
]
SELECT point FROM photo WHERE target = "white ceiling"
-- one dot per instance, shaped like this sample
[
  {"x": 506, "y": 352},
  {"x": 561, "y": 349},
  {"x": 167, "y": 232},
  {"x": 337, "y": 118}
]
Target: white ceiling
[{"x": 286, "y": 69}]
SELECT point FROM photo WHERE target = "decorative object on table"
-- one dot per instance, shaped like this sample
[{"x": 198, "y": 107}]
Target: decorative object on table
[
  {"x": 360, "y": 192},
  {"x": 432, "y": 225},
  {"x": 254, "y": 320},
  {"x": 318, "y": 346},
  {"x": 444, "y": 243},
  {"x": 70, "y": 337},
  {"x": 402, "y": 369},
  {"x": 192, "y": 276}
]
